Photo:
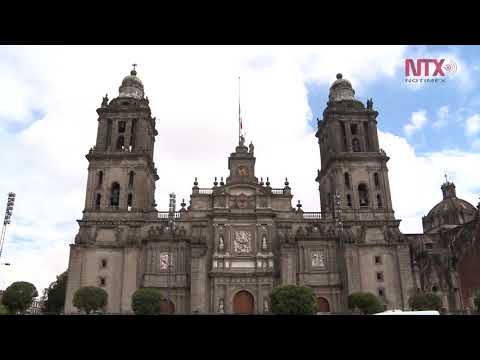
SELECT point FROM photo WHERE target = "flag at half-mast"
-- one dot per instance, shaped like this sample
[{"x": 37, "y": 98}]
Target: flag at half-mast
[{"x": 240, "y": 122}]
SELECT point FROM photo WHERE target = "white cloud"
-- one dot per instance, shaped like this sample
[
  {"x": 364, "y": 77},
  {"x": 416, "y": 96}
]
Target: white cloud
[
  {"x": 415, "y": 180},
  {"x": 417, "y": 121},
  {"x": 442, "y": 117},
  {"x": 472, "y": 125},
  {"x": 193, "y": 94}
]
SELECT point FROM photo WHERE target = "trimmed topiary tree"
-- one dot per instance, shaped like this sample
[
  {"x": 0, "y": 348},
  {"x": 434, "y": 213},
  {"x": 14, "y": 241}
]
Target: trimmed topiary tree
[
  {"x": 425, "y": 301},
  {"x": 3, "y": 310},
  {"x": 366, "y": 302},
  {"x": 293, "y": 300},
  {"x": 54, "y": 295},
  {"x": 476, "y": 301},
  {"x": 147, "y": 301},
  {"x": 90, "y": 298},
  {"x": 18, "y": 297}
]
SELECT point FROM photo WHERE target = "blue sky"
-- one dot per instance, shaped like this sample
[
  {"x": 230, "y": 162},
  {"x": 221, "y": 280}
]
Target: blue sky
[
  {"x": 48, "y": 123},
  {"x": 397, "y": 100}
]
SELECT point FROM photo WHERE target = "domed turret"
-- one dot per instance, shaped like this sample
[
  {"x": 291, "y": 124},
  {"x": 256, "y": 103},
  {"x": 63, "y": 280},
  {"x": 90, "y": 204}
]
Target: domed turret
[
  {"x": 131, "y": 86},
  {"x": 341, "y": 89},
  {"x": 450, "y": 212}
]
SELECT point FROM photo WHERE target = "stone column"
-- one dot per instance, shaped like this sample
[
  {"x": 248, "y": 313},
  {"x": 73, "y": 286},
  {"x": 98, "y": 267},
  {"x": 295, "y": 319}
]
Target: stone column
[
  {"x": 129, "y": 278},
  {"x": 74, "y": 277},
  {"x": 348, "y": 135},
  {"x": 198, "y": 278},
  {"x": 288, "y": 266},
  {"x": 405, "y": 274}
]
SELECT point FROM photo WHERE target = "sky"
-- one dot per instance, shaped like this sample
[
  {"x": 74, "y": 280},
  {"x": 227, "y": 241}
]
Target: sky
[{"x": 48, "y": 122}]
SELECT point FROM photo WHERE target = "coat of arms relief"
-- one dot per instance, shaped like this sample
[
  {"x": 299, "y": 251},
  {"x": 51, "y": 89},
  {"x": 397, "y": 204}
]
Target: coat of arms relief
[{"x": 242, "y": 242}]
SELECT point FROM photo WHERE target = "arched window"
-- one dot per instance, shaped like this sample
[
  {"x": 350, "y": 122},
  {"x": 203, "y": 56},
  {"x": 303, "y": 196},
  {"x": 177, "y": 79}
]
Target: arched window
[
  {"x": 349, "y": 200},
  {"x": 120, "y": 142},
  {"x": 131, "y": 175},
  {"x": 100, "y": 179},
  {"x": 353, "y": 129},
  {"x": 129, "y": 201},
  {"x": 98, "y": 200},
  {"x": 379, "y": 201},
  {"x": 121, "y": 127},
  {"x": 363, "y": 194},
  {"x": 347, "y": 179},
  {"x": 356, "y": 145},
  {"x": 132, "y": 133},
  {"x": 376, "y": 180},
  {"x": 115, "y": 195}
]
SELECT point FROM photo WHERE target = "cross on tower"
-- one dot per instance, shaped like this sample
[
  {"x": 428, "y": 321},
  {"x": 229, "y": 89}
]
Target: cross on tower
[
  {"x": 134, "y": 65},
  {"x": 446, "y": 178}
]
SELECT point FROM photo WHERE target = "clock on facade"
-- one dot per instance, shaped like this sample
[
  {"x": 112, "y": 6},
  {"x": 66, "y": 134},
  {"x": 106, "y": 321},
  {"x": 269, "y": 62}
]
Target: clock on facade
[{"x": 242, "y": 171}]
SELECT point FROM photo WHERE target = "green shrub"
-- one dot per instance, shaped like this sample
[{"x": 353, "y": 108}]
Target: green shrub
[
  {"x": 425, "y": 301},
  {"x": 293, "y": 300},
  {"x": 146, "y": 301},
  {"x": 18, "y": 297},
  {"x": 366, "y": 302},
  {"x": 90, "y": 298}
]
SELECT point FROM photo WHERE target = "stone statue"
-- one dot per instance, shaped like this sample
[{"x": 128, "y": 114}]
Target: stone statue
[
  {"x": 264, "y": 242},
  {"x": 251, "y": 148},
  {"x": 220, "y": 243},
  {"x": 266, "y": 307},
  {"x": 369, "y": 104},
  {"x": 105, "y": 101},
  {"x": 221, "y": 308},
  {"x": 242, "y": 140}
]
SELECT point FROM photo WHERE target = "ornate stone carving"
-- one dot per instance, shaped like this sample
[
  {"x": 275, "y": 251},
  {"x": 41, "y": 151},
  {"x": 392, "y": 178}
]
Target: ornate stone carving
[
  {"x": 242, "y": 201},
  {"x": 155, "y": 232},
  {"x": 242, "y": 242},
  {"x": 318, "y": 258},
  {"x": 221, "y": 306},
  {"x": 165, "y": 260}
]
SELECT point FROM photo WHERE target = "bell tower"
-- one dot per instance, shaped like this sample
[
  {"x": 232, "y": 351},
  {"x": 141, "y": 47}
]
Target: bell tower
[
  {"x": 121, "y": 172},
  {"x": 352, "y": 163}
]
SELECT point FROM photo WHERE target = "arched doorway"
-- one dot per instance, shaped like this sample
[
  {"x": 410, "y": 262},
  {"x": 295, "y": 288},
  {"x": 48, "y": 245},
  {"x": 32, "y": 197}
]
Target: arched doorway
[
  {"x": 167, "y": 307},
  {"x": 323, "y": 305},
  {"x": 243, "y": 303}
]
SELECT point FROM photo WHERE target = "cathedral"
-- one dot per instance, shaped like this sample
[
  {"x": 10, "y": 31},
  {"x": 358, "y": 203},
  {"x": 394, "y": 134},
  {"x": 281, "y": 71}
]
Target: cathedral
[{"x": 233, "y": 243}]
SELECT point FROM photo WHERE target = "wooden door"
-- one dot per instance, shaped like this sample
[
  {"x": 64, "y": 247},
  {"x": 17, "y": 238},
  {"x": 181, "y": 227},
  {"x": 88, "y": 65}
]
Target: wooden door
[
  {"x": 243, "y": 303},
  {"x": 323, "y": 305},
  {"x": 167, "y": 307}
]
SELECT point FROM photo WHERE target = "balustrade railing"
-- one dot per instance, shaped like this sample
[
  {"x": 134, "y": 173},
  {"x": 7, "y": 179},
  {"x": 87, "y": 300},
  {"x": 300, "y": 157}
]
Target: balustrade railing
[
  {"x": 205, "y": 191},
  {"x": 164, "y": 215},
  {"x": 312, "y": 215},
  {"x": 277, "y": 191}
]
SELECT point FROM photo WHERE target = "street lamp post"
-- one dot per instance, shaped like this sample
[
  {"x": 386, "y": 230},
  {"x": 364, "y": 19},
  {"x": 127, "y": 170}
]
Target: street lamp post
[{"x": 6, "y": 221}]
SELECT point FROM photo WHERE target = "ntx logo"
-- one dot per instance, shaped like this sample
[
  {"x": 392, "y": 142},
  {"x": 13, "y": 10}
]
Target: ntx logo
[{"x": 428, "y": 70}]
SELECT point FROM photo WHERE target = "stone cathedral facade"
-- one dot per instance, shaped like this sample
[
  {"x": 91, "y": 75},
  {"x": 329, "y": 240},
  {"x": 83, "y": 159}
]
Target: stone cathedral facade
[{"x": 236, "y": 241}]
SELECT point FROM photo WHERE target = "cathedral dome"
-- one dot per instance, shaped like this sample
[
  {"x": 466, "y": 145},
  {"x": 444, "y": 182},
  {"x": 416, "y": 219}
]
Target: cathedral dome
[
  {"x": 132, "y": 86},
  {"x": 341, "y": 89},
  {"x": 449, "y": 212}
]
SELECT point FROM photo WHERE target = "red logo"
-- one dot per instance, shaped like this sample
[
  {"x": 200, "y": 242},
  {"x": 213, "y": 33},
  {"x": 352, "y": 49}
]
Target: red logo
[{"x": 430, "y": 70}]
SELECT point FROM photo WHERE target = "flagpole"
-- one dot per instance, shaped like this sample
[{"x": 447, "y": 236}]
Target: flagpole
[{"x": 239, "y": 115}]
